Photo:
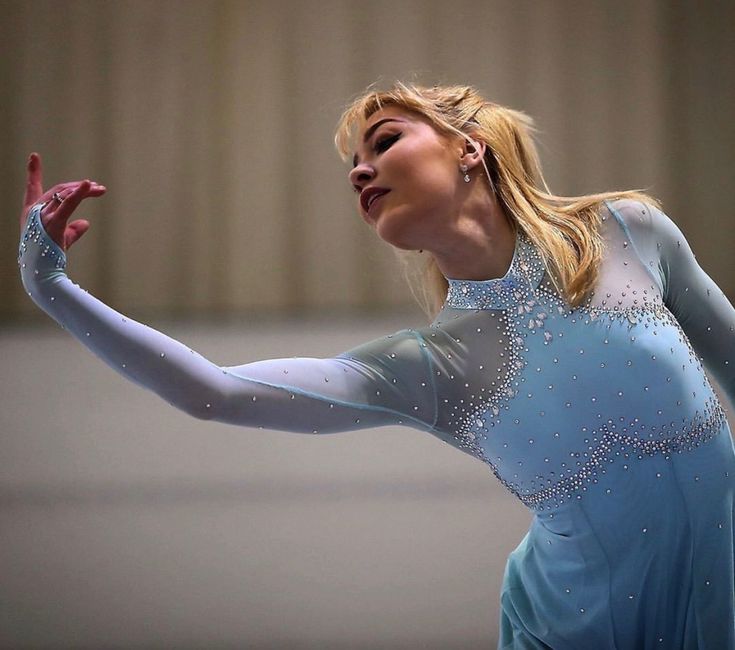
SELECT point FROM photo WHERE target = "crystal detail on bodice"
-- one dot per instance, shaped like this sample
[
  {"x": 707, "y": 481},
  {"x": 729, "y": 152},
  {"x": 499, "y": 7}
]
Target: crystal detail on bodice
[
  {"x": 611, "y": 444},
  {"x": 524, "y": 274}
]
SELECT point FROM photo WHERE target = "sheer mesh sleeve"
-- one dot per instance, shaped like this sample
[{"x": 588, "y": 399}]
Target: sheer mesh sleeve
[
  {"x": 383, "y": 382},
  {"x": 699, "y": 305}
]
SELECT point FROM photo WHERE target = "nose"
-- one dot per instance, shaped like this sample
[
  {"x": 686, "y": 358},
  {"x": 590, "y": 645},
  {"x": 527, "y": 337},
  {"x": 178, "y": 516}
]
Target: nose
[{"x": 361, "y": 175}]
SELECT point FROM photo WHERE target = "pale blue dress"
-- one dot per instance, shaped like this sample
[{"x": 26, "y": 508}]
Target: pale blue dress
[{"x": 600, "y": 419}]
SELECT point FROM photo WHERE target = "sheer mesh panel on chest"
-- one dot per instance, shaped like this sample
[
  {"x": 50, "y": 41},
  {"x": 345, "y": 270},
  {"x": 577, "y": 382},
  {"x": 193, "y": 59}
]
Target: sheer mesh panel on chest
[
  {"x": 548, "y": 396},
  {"x": 627, "y": 280}
]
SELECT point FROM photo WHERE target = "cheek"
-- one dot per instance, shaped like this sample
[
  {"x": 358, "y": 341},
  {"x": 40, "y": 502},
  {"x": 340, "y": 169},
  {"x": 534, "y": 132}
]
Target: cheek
[
  {"x": 424, "y": 175},
  {"x": 435, "y": 187},
  {"x": 428, "y": 175}
]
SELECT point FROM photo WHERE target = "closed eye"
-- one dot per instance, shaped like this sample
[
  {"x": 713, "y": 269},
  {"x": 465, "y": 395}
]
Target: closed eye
[{"x": 385, "y": 143}]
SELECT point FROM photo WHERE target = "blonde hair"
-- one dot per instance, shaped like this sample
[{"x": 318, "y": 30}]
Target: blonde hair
[{"x": 564, "y": 229}]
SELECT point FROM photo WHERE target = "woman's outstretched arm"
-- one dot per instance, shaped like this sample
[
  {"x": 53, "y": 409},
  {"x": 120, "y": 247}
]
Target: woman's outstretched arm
[{"x": 384, "y": 382}]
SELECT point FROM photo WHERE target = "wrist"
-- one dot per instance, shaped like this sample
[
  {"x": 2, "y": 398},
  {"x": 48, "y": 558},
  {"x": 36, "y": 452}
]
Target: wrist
[{"x": 40, "y": 258}]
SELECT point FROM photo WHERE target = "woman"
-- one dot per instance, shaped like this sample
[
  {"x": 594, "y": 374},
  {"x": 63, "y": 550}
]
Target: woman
[{"x": 566, "y": 352}]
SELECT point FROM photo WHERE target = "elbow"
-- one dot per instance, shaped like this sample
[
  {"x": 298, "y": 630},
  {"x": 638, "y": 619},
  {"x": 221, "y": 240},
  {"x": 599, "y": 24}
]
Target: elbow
[
  {"x": 199, "y": 411},
  {"x": 217, "y": 406},
  {"x": 197, "y": 407}
]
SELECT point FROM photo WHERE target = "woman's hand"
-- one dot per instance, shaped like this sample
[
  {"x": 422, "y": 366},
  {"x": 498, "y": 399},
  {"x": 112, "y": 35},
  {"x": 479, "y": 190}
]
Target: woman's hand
[{"x": 60, "y": 202}]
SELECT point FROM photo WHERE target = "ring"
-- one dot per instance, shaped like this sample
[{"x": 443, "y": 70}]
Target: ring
[{"x": 57, "y": 197}]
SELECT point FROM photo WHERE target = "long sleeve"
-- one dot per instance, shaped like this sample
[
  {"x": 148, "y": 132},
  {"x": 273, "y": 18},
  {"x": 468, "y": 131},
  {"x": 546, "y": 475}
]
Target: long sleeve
[
  {"x": 699, "y": 305},
  {"x": 383, "y": 382}
]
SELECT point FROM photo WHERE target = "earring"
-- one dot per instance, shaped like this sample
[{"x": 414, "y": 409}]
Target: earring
[{"x": 463, "y": 169}]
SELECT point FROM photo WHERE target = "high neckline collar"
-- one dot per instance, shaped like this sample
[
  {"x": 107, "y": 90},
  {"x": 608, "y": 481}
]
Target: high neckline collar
[{"x": 524, "y": 274}]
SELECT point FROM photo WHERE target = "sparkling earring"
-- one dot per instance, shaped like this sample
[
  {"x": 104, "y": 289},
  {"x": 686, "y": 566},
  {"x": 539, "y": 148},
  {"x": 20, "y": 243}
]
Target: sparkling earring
[{"x": 463, "y": 169}]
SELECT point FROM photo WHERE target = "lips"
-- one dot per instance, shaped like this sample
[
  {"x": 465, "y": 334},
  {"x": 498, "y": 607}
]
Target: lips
[{"x": 369, "y": 195}]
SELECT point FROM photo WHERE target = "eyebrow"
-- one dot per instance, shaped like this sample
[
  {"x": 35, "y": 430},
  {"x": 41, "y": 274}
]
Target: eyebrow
[{"x": 372, "y": 130}]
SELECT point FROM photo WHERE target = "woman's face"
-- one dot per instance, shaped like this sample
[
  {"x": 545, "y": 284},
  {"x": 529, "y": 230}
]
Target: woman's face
[{"x": 407, "y": 177}]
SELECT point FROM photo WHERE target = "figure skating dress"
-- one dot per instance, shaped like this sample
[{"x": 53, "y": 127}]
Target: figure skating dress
[{"x": 600, "y": 419}]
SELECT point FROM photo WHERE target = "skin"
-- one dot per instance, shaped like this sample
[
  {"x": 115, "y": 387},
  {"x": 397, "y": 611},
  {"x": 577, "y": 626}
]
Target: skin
[
  {"x": 55, "y": 216},
  {"x": 429, "y": 206}
]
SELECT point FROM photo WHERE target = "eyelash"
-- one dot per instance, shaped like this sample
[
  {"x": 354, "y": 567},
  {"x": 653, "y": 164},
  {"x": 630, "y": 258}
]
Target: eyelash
[{"x": 385, "y": 143}]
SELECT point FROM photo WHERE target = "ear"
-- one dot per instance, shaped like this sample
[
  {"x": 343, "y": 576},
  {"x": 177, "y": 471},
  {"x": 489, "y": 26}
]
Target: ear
[{"x": 473, "y": 152}]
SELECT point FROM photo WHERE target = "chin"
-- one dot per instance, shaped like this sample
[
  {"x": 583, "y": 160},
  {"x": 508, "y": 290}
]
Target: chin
[
  {"x": 396, "y": 237},
  {"x": 404, "y": 246},
  {"x": 397, "y": 232}
]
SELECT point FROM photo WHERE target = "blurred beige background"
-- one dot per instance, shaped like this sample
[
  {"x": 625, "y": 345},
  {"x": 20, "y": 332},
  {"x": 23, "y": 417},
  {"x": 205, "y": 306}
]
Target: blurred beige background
[
  {"x": 229, "y": 224},
  {"x": 212, "y": 122}
]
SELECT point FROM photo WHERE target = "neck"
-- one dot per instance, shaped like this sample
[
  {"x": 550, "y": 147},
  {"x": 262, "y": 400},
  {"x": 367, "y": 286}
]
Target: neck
[{"x": 479, "y": 244}]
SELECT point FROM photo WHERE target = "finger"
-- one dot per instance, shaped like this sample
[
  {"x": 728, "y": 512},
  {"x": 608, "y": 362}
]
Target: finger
[
  {"x": 70, "y": 185},
  {"x": 54, "y": 222},
  {"x": 74, "y": 231},
  {"x": 71, "y": 199},
  {"x": 52, "y": 203},
  {"x": 58, "y": 218},
  {"x": 68, "y": 203},
  {"x": 63, "y": 190},
  {"x": 34, "y": 180}
]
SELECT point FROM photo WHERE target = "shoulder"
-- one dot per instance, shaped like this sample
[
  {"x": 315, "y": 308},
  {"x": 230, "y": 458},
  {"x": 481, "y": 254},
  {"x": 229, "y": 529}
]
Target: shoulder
[
  {"x": 645, "y": 225},
  {"x": 404, "y": 345},
  {"x": 630, "y": 214},
  {"x": 640, "y": 217}
]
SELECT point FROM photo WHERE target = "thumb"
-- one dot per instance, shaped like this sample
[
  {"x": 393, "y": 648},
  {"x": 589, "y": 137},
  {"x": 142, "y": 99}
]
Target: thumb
[{"x": 74, "y": 231}]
